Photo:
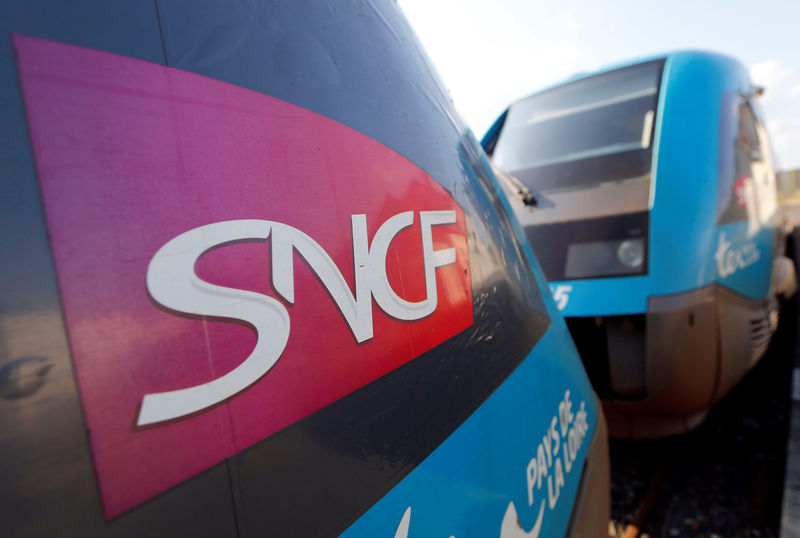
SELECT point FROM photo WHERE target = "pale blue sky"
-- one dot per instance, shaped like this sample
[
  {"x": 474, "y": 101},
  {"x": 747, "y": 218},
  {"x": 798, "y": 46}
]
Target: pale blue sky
[{"x": 492, "y": 52}]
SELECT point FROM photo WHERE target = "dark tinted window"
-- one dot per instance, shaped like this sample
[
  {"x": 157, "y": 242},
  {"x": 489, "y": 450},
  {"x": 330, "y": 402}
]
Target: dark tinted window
[
  {"x": 747, "y": 146},
  {"x": 607, "y": 114},
  {"x": 738, "y": 184}
]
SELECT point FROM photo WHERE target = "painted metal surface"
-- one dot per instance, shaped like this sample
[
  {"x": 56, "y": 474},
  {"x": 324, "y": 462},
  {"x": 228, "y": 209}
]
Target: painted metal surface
[
  {"x": 533, "y": 456},
  {"x": 46, "y": 469},
  {"x": 289, "y": 245}
]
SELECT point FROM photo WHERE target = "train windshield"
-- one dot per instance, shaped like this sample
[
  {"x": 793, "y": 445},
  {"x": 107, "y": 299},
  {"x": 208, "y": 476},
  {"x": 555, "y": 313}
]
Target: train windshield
[{"x": 582, "y": 133}]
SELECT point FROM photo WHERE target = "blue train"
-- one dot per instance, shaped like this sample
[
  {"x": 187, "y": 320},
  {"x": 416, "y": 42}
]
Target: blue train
[
  {"x": 648, "y": 193},
  {"x": 256, "y": 278}
]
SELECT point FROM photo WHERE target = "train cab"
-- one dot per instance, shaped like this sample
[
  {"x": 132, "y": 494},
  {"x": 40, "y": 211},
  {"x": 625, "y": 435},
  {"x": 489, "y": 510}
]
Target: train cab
[{"x": 647, "y": 191}]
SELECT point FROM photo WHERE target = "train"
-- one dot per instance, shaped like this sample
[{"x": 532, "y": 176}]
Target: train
[
  {"x": 258, "y": 278},
  {"x": 647, "y": 190}
]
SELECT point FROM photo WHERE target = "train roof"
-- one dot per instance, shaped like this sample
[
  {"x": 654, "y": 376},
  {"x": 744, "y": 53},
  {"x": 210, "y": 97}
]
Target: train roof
[{"x": 721, "y": 60}]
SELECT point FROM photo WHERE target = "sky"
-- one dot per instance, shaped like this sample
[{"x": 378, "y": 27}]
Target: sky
[{"x": 492, "y": 52}]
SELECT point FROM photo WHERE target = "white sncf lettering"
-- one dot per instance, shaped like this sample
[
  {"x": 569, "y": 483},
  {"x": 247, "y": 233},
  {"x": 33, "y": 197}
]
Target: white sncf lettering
[{"x": 173, "y": 283}]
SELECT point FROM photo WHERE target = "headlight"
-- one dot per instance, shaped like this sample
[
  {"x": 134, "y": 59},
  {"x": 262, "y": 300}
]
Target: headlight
[
  {"x": 605, "y": 258},
  {"x": 631, "y": 253}
]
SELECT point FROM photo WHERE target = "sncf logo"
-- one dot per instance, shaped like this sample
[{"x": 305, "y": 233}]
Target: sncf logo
[{"x": 172, "y": 281}]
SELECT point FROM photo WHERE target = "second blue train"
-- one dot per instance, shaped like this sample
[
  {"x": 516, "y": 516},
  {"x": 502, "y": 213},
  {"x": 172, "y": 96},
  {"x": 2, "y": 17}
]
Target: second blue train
[{"x": 648, "y": 193}]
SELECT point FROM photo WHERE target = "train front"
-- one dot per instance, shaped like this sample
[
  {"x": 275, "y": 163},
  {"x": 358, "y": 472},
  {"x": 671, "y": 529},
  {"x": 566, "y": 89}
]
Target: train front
[
  {"x": 621, "y": 181},
  {"x": 257, "y": 278}
]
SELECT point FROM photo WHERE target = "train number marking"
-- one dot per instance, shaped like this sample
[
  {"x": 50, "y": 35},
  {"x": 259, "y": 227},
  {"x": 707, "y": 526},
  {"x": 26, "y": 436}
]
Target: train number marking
[{"x": 561, "y": 295}]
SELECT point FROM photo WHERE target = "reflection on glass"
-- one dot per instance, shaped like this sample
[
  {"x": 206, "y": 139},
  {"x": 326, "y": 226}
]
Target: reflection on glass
[{"x": 600, "y": 115}]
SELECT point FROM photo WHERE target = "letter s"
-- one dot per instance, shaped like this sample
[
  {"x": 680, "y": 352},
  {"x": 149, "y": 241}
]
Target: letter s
[{"x": 172, "y": 282}]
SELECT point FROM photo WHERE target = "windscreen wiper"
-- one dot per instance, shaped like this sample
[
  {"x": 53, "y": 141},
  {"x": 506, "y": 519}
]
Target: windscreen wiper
[{"x": 518, "y": 188}]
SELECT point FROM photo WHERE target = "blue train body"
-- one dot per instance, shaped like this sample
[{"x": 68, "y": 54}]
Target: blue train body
[
  {"x": 688, "y": 200},
  {"x": 684, "y": 193}
]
